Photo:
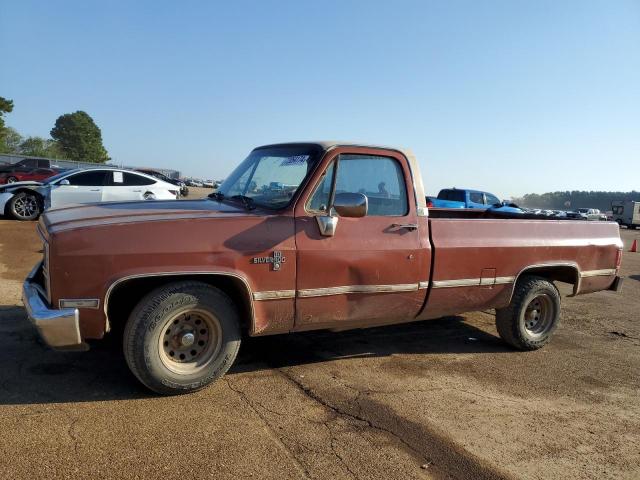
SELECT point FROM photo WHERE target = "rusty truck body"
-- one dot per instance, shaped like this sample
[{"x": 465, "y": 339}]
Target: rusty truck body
[{"x": 301, "y": 236}]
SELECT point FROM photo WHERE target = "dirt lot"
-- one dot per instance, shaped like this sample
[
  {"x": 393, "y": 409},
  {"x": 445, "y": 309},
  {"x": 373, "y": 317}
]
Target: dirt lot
[{"x": 436, "y": 399}]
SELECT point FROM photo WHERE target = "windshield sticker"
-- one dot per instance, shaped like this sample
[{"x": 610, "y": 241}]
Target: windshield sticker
[
  {"x": 117, "y": 177},
  {"x": 295, "y": 160}
]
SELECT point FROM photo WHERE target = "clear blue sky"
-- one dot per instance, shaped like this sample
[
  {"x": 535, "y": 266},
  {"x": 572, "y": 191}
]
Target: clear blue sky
[{"x": 508, "y": 96}]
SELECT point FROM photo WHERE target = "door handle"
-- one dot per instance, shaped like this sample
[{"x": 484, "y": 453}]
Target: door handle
[
  {"x": 96, "y": 190},
  {"x": 408, "y": 226},
  {"x": 137, "y": 191}
]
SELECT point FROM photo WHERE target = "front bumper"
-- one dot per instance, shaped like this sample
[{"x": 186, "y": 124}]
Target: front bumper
[
  {"x": 4, "y": 200},
  {"x": 59, "y": 328}
]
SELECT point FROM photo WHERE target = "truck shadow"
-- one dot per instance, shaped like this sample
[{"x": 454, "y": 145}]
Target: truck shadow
[{"x": 32, "y": 373}]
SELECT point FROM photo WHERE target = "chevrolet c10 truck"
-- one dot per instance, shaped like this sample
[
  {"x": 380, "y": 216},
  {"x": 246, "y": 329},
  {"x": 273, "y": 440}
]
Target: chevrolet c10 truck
[{"x": 301, "y": 236}]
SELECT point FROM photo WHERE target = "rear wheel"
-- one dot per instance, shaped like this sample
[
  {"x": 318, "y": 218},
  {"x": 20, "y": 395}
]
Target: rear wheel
[
  {"x": 532, "y": 316},
  {"x": 182, "y": 337},
  {"x": 12, "y": 180},
  {"x": 25, "y": 206}
]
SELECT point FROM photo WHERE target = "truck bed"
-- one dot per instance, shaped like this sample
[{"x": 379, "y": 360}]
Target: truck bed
[{"x": 478, "y": 256}]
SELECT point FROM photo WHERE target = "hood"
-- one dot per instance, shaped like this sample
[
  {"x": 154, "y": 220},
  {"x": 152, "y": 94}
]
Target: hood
[
  {"x": 139, "y": 211},
  {"x": 11, "y": 186}
]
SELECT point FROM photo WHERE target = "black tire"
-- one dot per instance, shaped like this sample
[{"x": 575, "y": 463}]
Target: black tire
[
  {"x": 12, "y": 180},
  {"x": 25, "y": 206},
  {"x": 151, "y": 330},
  {"x": 523, "y": 325}
]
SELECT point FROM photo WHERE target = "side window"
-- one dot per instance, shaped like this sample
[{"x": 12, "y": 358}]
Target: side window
[
  {"x": 43, "y": 163},
  {"x": 379, "y": 178},
  {"x": 491, "y": 199},
  {"x": 453, "y": 195},
  {"x": 90, "y": 178},
  {"x": 131, "y": 179},
  {"x": 29, "y": 163},
  {"x": 320, "y": 198},
  {"x": 475, "y": 197}
]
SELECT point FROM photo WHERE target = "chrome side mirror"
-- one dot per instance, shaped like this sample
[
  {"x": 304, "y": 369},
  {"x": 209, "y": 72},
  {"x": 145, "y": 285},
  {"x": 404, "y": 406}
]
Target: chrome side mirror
[
  {"x": 327, "y": 225},
  {"x": 351, "y": 204},
  {"x": 64, "y": 181},
  {"x": 346, "y": 205}
]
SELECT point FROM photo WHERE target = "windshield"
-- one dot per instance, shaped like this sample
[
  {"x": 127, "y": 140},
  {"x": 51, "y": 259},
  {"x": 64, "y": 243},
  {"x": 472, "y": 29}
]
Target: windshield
[{"x": 271, "y": 176}]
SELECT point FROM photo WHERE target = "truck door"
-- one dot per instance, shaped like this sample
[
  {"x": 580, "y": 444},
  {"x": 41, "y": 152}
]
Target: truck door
[{"x": 370, "y": 269}]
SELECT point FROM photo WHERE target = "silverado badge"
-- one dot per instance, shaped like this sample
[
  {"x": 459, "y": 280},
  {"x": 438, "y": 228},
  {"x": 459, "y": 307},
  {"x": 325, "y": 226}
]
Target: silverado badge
[{"x": 276, "y": 260}]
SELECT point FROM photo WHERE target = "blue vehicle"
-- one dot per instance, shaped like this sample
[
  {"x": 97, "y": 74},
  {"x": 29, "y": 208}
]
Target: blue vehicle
[{"x": 466, "y": 198}]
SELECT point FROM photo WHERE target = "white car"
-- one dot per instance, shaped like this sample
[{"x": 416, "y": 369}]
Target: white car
[
  {"x": 27, "y": 200},
  {"x": 592, "y": 214}
]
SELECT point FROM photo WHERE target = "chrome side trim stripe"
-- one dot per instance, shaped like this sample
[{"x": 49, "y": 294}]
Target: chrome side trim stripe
[
  {"x": 473, "y": 282},
  {"x": 598, "y": 273},
  {"x": 274, "y": 294},
  {"x": 321, "y": 292},
  {"x": 461, "y": 282},
  {"x": 403, "y": 287}
]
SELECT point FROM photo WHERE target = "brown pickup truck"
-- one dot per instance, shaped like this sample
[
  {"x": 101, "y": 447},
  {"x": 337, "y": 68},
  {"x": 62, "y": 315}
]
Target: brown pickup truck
[{"x": 301, "y": 236}]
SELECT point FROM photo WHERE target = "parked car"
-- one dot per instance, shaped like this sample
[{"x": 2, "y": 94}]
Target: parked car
[
  {"x": 465, "y": 198},
  {"x": 27, "y": 200},
  {"x": 353, "y": 245},
  {"x": 27, "y": 164},
  {"x": 184, "y": 190},
  {"x": 592, "y": 214},
  {"x": 626, "y": 213},
  {"x": 36, "y": 175},
  {"x": 208, "y": 183},
  {"x": 193, "y": 182}
]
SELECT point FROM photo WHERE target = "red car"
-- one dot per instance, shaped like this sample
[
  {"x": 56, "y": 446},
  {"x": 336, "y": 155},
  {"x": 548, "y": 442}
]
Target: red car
[{"x": 35, "y": 175}]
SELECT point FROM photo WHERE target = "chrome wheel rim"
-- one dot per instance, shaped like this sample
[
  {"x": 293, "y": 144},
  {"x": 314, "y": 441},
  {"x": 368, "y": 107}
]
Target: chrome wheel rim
[
  {"x": 190, "y": 341},
  {"x": 26, "y": 206},
  {"x": 539, "y": 314},
  {"x": 12, "y": 180}
]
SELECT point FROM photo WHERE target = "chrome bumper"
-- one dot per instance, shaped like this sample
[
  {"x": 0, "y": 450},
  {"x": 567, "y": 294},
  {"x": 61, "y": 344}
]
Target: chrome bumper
[{"x": 59, "y": 328}]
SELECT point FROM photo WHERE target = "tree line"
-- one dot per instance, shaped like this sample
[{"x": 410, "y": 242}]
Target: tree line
[
  {"x": 575, "y": 199},
  {"x": 74, "y": 136}
]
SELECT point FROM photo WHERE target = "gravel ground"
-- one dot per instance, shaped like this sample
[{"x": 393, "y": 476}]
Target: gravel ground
[{"x": 436, "y": 399}]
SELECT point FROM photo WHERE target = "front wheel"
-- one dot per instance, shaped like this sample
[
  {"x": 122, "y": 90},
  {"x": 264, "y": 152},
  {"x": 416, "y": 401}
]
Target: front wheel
[
  {"x": 181, "y": 337},
  {"x": 25, "y": 206},
  {"x": 532, "y": 316}
]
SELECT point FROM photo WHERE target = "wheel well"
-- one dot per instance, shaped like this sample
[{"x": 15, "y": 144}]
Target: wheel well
[
  {"x": 24, "y": 190},
  {"x": 125, "y": 295},
  {"x": 555, "y": 273}
]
